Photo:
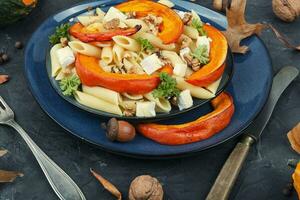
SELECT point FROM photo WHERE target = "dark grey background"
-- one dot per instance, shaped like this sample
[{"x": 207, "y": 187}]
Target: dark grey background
[{"x": 263, "y": 176}]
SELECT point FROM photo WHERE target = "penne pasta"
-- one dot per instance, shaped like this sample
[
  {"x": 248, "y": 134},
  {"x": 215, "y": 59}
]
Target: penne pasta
[
  {"x": 197, "y": 92},
  {"x": 107, "y": 55},
  {"x": 161, "y": 105},
  {"x": 84, "y": 48},
  {"x": 102, "y": 44},
  {"x": 72, "y": 38},
  {"x": 55, "y": 66},
  {"x": 133, "y": 22},
  {"x": 88, "y": 19},
  {"x": 154, "y": 40},
  {"x": 96, "y": 103},
  {"x": 127, "y": 43},
  {"x": 190, "y": 32},
  {"x": 214, "y": 86},
  {"x": 100, "y": 12},
  {"x": 173, "y": 57},
  {"x": 95, "y": 27},
  {"x": 133, "y": 96},
  {"x": 102, "y": 93},
  {"x": 118, "y": 53}
]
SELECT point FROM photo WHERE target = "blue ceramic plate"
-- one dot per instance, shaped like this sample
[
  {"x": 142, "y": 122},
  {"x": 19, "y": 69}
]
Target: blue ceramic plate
[{"x": 249, "y": 87}]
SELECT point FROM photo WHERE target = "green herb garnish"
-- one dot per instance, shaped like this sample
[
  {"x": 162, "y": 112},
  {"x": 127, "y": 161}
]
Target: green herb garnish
[
  {"x": 69, "y": 85},
  {"x": 201, "y": 53},
  {"x": 167, "y": 87},
  {"x": 198, "y": 24},
  {"x": 145, "y": 44},
  {"x": 60, "y": 32}
]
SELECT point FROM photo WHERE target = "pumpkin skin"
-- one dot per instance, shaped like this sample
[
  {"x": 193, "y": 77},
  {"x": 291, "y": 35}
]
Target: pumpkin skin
[{"x": 13, "y": 10}]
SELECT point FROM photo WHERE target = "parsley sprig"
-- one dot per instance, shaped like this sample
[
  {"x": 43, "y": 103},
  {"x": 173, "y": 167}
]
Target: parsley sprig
[
  {"x": 201, "y": 53},
  {"x": 198, "y": 24},
  {"x": 69, "y": 85},
  {"x": 145, "y": 44},
  {"x": 167, "y": 87},
  {"x": 60, "y": 32}
]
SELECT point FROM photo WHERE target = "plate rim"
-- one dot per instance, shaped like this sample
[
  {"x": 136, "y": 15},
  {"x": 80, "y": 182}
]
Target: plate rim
[{"x": 143, "y": 155}]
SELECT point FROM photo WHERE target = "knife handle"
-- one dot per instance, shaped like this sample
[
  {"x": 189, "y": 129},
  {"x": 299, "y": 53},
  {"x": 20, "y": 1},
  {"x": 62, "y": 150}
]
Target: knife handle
[{"x": 230, "y": 171}]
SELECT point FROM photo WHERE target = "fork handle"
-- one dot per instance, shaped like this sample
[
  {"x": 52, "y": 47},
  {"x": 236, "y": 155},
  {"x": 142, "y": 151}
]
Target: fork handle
[{"x": 62, "y": 184}]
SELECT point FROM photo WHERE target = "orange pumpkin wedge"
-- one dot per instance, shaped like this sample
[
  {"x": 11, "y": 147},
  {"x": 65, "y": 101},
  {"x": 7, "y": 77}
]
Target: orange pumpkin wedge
[
  {"x": 172, "y": 26},
  {"x": 215, "y": 68},
  {"x": 78, "y": 31},
  {"x": 200, "y": 129},
  {"x": 91, "y": 74}
]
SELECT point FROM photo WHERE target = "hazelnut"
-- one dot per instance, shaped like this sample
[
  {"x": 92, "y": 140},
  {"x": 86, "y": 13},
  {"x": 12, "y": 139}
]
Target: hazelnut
[{"x": 118, "y": 130}]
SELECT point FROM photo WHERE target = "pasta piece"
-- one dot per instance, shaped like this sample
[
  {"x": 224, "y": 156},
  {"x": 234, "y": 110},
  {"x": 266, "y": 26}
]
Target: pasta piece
[
  {"x": 100, "y": 12},
  {"x": 102, "y": 93},
  {"x": 214, "y": 86},
  {"x": 127, "y": 43},
  {"x": 156, "y": 41},
  {"x": 86, "y": 20},
  {"x": 195, "y": 15},
  {"x": 118, "y": 53},
  {"x": 173, "y": 57},
  {"x": 133, "y": 96},
  {"x": 107, "y": 55},
  {"x": 188, "y": 72},
  {"x": 84, "y": 48},
  {"x": 133, "y": 22},
  {"x": 96, "y": 103},
  {"x": 162, "y": 105},
  {"x": 95, "y": 27},
  {"x": 72, "y": 38},
  {"x": 55, "y": 66},
  {"x": 191, "y": 32},
  {"x": 197, "y": 92},
  {"x": 128, "y": 105},
  {"x": 102, "y": 44}
]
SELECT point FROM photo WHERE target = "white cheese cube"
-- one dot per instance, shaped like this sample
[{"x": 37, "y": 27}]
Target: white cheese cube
[
  {"x": 168, "y": 3},
  {"x": 185, "y": 100},
  {"x": 145, "y": 109},
  {"x": 203, "y": 40},
  {"x": 183, "y": 52},
  {"x": 113, "y": 13},
  {"x": 151, "y": 63},
  {"x": 180, "y": 69},
  {"x": 65, "y": 56},
  {"x": 181, "y": 14}
]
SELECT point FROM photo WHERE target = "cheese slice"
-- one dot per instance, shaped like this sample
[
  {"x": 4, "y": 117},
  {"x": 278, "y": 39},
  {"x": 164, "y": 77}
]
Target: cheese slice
[
  {"x": 65, "y": 56},
  {"x": 185, "y": 100},
  {"x": 113, "y": 13},
  {"x": 151, "y": 63},
  {"x": 145, "y": 109}
]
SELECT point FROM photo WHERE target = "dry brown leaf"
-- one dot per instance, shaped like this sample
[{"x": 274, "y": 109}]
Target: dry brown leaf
[
  {"x": 107, "y": 185},
  {"x": 238, "y": 28},
  {"x": 3, "y": 152},
  {"x": 9, "y": 176},
  {"x": 294, "y": 138},
  {"x": 3, "y": 78}
]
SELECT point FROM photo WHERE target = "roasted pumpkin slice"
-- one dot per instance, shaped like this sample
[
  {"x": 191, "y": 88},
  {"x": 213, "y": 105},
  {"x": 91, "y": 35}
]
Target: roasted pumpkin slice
[
  {"x": 200, "y": 129},
  {"x": 215, "y": 68},
  {"x": 172, "y": 26},
  {"x": 77, "y": 30},
  {"x": 91, "y": 74}
]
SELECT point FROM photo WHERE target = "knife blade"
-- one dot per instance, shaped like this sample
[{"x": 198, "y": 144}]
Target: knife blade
[{"x": 230, "y": 171}]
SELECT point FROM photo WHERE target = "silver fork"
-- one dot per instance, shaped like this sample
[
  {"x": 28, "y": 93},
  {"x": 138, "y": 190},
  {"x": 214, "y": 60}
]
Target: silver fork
[{"x": 61, "y": 183}]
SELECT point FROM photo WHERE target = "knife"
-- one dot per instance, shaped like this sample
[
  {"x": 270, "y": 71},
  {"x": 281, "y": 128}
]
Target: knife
[{"x": 230, "y": 171}]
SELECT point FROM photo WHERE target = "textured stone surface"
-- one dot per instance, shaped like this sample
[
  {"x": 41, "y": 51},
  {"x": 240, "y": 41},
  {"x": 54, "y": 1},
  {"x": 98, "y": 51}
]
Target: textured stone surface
[{"x": 264, "y": 175}]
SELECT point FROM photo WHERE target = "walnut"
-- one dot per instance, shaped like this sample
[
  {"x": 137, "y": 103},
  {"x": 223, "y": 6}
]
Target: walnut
[
  {"x": 286, "y": 10},
  {"x": 129, "y": 113},
  {"x": 153, "y": 22},
  {"x": 187, "y": 18},
  {"x": 294, "y": 138},
  {"x": 194, "y": 63},
  {"x": 145, "y": 187},
  {"x": 112, "y": 24},
  {"x": 131, "y": 15},
  {"x": 64, "y": 41}
]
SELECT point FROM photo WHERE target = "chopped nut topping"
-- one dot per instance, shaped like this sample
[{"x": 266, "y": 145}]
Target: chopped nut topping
[
  {"x": 186, "y": 41},
  {"x": 131, "y": 15},
  {"x": 153, "y": 22},
  {"x": 129, "y": 113},
  {"x": 194, "y": 63},
  {"x": 112, "y": 24},
  {"x": 187, "y": 19},
  {"x": 64, "y": 42}
]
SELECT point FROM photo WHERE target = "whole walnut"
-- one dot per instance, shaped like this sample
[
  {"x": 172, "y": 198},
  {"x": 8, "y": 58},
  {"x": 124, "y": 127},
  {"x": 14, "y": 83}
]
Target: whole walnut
[
  {"x": 145, "y": 187},
  {"x": 286, "y": 10}
]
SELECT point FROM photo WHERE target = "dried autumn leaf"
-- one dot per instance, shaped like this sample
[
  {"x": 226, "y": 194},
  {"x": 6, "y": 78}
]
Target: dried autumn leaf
[
  {"x": 294, "y": 138},
  {"x": 238, "y": 28},
  {"x": 3, "y": 78},
  {"x": 3, "y": 152},
  {"x": 9, "y": 176},
  {"x": 107, "y": 185}
]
